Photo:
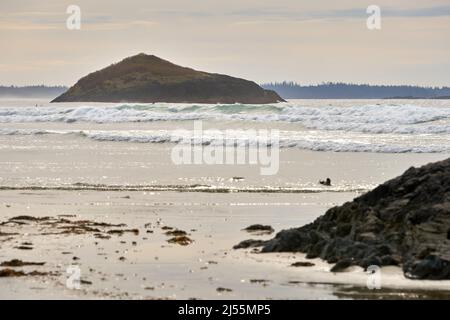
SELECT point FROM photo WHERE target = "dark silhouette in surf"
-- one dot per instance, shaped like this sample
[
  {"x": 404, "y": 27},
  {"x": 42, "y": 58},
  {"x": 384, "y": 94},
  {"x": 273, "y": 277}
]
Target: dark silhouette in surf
[{"x": 326, "y": 182}]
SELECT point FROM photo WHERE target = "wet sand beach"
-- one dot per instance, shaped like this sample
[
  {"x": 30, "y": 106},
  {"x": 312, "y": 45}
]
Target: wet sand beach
[{"x": 120, "y": 242}]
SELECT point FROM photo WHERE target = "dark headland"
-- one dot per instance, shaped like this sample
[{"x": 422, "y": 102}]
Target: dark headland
[
  {"x": 147, "y": 78},
  {"x": 35, "y": 92},
  {"x": 404, "y": 222}
]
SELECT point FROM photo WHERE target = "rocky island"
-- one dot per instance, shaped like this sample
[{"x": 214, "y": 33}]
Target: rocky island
[
  {"x": 404, "y": 222},
  {"x": 148, "y": 79}
]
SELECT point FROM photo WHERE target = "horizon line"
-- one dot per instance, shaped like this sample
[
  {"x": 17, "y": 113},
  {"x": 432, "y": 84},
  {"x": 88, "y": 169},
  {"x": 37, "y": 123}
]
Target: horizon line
[{"x": 285, "y": 82}]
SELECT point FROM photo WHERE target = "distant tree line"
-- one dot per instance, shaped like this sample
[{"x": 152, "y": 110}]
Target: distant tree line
[
  {"x": 287, "y": 90},
  {"x": 31, "y": 91},
  {"x": 330, "y": 90}
]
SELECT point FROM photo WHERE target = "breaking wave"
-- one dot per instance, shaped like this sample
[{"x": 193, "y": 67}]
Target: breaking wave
[
  {"x": 184, "y": 188},
  {"x": 309, "y": 140},
  {"x": 376, "y": 118}
]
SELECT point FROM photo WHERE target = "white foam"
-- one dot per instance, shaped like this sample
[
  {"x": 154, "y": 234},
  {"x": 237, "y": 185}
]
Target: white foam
[
  {"x": 309, "y": 140},
  {"x": 386, "y": 118},
  {"x": 385, "y": 127}
]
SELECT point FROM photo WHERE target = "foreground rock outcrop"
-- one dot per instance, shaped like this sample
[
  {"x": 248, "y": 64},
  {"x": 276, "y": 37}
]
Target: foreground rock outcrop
[
  {"x": 146, "y": 78},
  {"x": 405, "y": 222}
]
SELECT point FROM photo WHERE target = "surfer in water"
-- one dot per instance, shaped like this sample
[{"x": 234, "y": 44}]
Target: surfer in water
[{"x": 326, "y": 182}]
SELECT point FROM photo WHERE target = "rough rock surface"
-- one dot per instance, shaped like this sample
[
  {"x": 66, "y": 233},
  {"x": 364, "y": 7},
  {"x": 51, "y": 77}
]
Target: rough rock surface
[
  {"x": 148, "y": 79},
  {"x": 405, "y": 221}
]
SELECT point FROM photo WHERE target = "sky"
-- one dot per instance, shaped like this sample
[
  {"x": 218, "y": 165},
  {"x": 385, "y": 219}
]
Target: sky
[{"x": 305, "y": 41}]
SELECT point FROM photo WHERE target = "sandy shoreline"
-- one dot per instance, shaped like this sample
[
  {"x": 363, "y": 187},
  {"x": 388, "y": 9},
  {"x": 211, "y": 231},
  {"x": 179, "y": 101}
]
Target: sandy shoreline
[{"x": 152, "y": 268}]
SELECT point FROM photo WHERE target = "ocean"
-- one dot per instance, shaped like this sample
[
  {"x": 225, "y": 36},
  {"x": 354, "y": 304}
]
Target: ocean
[
  {"x": 130, "y": 139},
  {"x": 387, "y": 126}
]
